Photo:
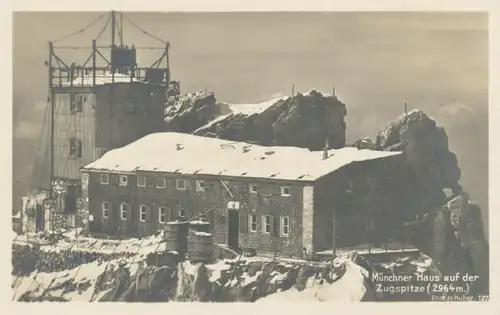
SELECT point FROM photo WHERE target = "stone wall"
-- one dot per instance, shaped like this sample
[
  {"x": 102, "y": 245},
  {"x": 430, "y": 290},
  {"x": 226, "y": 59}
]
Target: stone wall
[{"x": 68, "y": 220}]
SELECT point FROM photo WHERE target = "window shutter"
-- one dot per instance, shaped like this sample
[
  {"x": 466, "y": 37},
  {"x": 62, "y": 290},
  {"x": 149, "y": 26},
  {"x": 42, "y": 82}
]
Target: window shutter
[
  {"x": 276, "y": 226},
  {"x": 168, "y": 214}
]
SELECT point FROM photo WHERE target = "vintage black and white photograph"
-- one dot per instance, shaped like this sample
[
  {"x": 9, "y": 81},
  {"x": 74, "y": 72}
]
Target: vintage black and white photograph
[{"x": 250, "y": 156}]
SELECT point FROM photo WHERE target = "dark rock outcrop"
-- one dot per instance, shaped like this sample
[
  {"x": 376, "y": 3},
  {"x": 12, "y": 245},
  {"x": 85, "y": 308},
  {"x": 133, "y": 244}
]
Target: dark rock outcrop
[
  {"x": 425, "y": 145},
  {"x": 453, "y": 236},
  {"x": 448, "y": 225}
]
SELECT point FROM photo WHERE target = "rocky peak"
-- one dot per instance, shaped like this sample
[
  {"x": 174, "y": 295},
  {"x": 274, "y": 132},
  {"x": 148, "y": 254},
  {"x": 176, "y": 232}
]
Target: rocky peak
[
  {"x": 425, "y": 146},
  {"x": 303, "y": 120},
  {"x": 187, "y": 112}
]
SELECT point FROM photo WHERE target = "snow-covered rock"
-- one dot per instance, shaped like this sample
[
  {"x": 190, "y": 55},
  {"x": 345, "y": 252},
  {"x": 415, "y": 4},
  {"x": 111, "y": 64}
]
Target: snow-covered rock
[{"x": 302, "y": 120}]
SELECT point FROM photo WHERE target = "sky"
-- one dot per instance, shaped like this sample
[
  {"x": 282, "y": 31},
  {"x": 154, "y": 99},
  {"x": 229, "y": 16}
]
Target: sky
[{"x": 437, "y": 62}]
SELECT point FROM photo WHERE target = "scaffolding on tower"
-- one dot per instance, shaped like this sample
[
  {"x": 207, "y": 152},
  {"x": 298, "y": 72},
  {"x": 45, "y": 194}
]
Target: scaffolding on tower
[{"x": 105, "y": 64}]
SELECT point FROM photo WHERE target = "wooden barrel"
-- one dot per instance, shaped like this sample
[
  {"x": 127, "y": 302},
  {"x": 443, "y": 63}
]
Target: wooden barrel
[
  {"x": 201, "y": 247},
  {"x": 199, "y": 225},
  {"x": 175, "y": 235}
]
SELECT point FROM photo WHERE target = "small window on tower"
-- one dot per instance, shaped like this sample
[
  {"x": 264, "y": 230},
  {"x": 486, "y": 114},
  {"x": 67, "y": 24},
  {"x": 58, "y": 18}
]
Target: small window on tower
[
  {"x": 75, "y": 102},
  {"x": 75, "y": 148},
  {"x": 200, "y": 185},
  {"x": 285, "y": 191},
  {"x": 130, "y": 105}
]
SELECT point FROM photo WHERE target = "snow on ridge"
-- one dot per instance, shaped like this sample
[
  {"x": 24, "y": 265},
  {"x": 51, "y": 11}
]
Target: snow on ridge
[
  {"x": 255, "y": 108},
  {"x": 210, "y": 123},
  {"x": 241, "y": 109}
]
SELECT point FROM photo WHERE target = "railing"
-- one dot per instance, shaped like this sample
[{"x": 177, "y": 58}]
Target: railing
[{"x": 78, "y": 76}]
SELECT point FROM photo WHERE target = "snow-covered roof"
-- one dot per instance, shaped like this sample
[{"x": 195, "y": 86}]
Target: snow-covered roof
[{"x": 171, "y": 152}]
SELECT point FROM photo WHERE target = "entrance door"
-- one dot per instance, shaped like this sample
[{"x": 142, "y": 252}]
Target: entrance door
[
  {"x": 39, "y": 218},
  {"x": 71, "y": 197},
  {"x": 233, "y": 228}
]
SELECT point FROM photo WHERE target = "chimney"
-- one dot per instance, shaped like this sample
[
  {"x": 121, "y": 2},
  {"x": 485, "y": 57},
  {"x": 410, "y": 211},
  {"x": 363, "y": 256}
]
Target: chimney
[{"x": 326, "y": 148}]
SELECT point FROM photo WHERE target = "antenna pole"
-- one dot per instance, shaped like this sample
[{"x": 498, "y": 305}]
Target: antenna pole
[
  {"x": 293, "y": 89},
  {"x": 334, "y": 232},
  {"x": 113, "y": 26},
  {"x": 167, "y": 46},
  {"x": 52, "y": 115},
  {"x": 121, "y": 29},
  {"x": 93, "y": 61}
]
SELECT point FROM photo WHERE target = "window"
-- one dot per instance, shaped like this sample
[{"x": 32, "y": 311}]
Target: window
[
  {"x": 181, "y": 184},
  {"x": 253, "y": 189},
  {"x": 75, "y": 148},
  {"x": 285, "y": 191},
  {"x": 252, "y": 223},
  {"x": 162, "y": 214},
  {"x": 266, "y": 224},
  {"x": 160, "y": 182},
  {"x": 123, "y": 211},
  {"x": 182, "y": 213},
  {"x": 370, "y": 225},
  {"x": 348, "y": 187},
  {"x": 200, "y": 185},
  {"x": 141, "y": 181},
  {"x": 123, "y": 180},
  {"x": 142, "y": 213},
  {"x": 105, "y": 209},
  {"x": 285, "y": 226},
  {"x": 130, "y": 105},
  {"x": 104, "y": 179},
  {"x": 76, "y": 102}
]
